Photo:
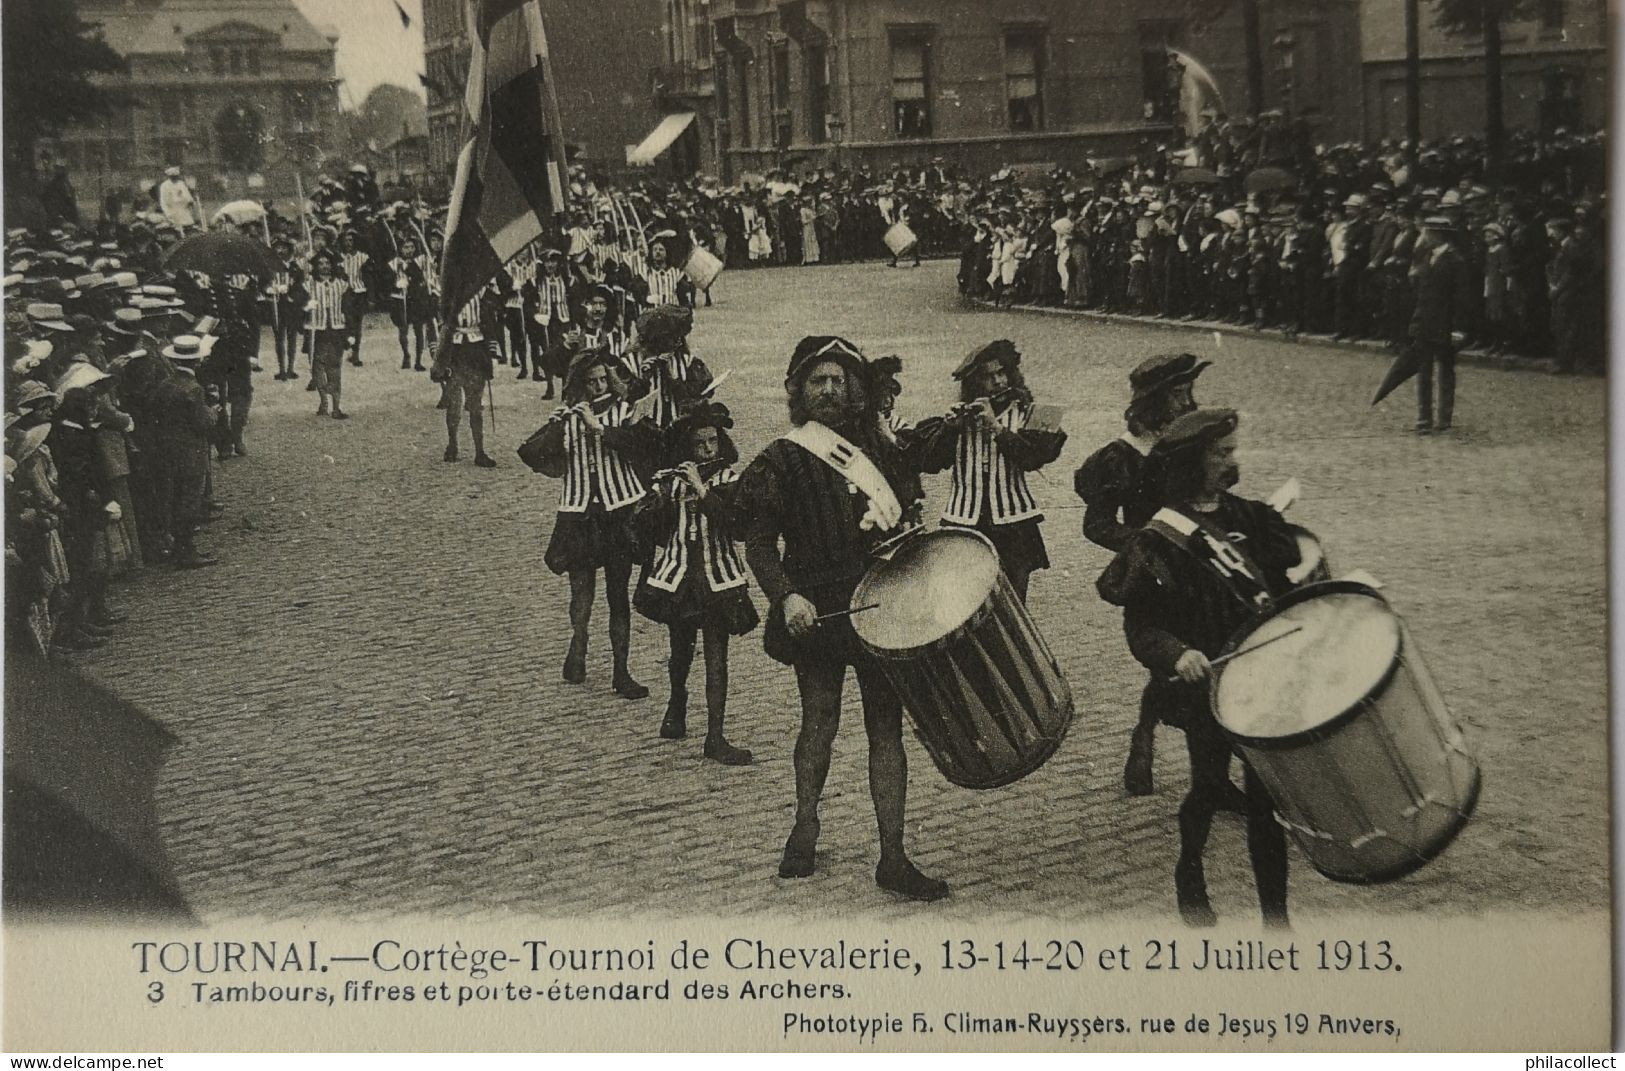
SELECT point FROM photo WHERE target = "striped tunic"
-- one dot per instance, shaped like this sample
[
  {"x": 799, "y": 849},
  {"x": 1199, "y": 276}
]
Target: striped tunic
[
  {"x": 663, "y": 285},
  {"x": 616, "y": 342},
  {"x": 668, "y": 373},
  {"x": 984, "y": 479},
  {"x": 595, "y": 471},
  {"x": 352, "y": 270},
  {"x": 697, "y": 538},
  {"x": 553, "y": 299},
  {"x": 519, "y": 274},
  {"x": 327, "y": 305},
  {"x": 469, "y": 327}
]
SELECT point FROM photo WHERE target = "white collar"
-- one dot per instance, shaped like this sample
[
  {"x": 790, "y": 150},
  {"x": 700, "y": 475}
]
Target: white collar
[{"x": 1142, "y": 446}]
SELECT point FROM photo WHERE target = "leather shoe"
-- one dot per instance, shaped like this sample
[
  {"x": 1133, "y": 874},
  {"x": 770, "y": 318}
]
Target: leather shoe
[
  {"x": 575, "y": 668},
  {"x": 675, "y": 725},
  {"x": 720, "y": 750},
  {"x": 450, "y": 454},
  {"x": 339, "y": 414},
  {"x": 485, "y": 461},
  {"x": 800, "y": 852},
  {"x": 905, "y": 880},
  {"x": 627, "y": 688}
]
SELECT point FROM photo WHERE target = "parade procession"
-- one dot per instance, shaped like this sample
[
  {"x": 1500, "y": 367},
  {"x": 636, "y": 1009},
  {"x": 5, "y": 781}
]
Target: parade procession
[{"x": 516, "y": 537}]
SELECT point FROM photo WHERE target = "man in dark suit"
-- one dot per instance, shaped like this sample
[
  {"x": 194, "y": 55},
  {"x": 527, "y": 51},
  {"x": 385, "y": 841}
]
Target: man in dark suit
[
  {"x": 1439, "y": 277},
  {"x": 187, "y": 421}
]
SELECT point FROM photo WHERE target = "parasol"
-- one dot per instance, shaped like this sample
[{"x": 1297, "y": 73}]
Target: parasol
[
  {"x": 1404, "y": 367},
  {"x": 221, "y": 253},
  {"x": 1265, "y": 179},
  {"x": 1196, "y": 176},
  {"x": 82, "y": 827},
  {"x": 240, "y": 212}
]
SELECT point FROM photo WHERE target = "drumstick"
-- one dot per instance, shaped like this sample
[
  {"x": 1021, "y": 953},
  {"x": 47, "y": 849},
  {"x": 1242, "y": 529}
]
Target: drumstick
[
  {"x": 1248, "y": 650},
  {"x": 846, "y": 613}
]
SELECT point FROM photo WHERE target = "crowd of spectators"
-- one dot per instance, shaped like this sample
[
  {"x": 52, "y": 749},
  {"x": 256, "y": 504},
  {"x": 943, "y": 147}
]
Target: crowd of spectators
[{"x": 1325, "y": 244}]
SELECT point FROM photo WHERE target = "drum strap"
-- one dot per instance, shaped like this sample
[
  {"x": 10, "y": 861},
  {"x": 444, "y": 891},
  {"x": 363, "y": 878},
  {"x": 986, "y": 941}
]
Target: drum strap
[
  {"x": 855, "y": 467},
  {"x": 1214, "y": 550}
]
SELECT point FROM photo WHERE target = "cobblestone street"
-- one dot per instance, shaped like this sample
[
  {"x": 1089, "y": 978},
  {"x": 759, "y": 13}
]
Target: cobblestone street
[{"x": 371, "y": 720}]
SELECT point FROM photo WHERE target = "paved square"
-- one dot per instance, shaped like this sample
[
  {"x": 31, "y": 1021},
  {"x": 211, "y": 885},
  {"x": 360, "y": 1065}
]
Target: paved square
[{"x": 371, "y": 721}]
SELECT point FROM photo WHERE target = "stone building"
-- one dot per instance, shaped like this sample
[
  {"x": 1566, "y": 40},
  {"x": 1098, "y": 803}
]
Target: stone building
[
  {"x": 983, "y": 83},
  {"x": 240, "y": 94},
  {"x": 602, "y": 54},
  {"x": 1554, "y": 70}
]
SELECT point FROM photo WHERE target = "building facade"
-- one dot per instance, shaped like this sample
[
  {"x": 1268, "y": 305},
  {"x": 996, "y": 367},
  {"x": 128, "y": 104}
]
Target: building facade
[
  {"x": 983, "y": 83},
  {"x": 242, "y": 95},
  {"x": 602, "y": 53},
  {"x": 1554, "y": 70}
]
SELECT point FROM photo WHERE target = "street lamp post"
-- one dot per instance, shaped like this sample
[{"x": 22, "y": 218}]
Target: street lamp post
[{"x": 836, "y": 127}]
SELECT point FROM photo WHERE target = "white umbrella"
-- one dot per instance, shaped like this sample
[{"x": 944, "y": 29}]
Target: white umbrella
[{"x": 240, "y": 212}]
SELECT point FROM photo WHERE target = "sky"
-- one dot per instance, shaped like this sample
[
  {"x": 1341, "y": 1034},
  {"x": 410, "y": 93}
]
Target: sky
[{"x": 373, "y": 46}]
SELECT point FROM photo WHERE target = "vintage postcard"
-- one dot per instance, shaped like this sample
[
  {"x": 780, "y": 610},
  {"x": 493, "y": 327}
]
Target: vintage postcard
[{"x": 769, "y": 525}]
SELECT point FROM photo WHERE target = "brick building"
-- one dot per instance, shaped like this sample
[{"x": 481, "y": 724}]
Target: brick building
[
  {"x": 241, "y": 94},
  {"x": 1554, "y": 70},
  {"x": 602, "y": 54},
  {"x": 981, "y": 83}
]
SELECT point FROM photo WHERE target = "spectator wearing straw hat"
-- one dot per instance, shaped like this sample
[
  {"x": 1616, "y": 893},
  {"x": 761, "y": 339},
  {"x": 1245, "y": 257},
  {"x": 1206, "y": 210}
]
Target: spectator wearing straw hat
[{"x": 187, "y": 421}]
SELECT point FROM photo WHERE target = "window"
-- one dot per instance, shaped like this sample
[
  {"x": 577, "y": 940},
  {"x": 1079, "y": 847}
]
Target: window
[
  {"x": 741, "y": 120},
  {"x": 780, "y": 58},
  {"x": 1552, "y": 14},
  {"x": 817, "y": 64},
  {"x": 217, "y": 57},
  {"x": 1160, "y": 93},
  {"x": 169, "y": 109},
  {"x": 1023, "y": 78},
  {"x": 236, "y": 61},
  {"x": 94, "y": 158},
  {"x": 120, "y": 155},
  {"x": 253, "y": 61},
  {"x": 910, "y": 89},
  {"x": 174, "y": 150},
  {"x": 779, "y": 65},
  {"x": 702, "y": 40},
  {"x": 68, "y": 153}
]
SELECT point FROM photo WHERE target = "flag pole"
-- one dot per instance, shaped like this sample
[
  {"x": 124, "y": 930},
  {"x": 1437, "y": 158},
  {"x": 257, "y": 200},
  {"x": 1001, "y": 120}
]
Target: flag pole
[{"x": 310, "y": 251}]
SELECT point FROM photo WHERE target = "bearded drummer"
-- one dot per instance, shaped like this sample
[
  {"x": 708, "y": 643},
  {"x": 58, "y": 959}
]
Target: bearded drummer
[
  {"x": 831, "y": 489},
  {"x": 1116, "y": 501},
  {"x": 990, "y": 445},
  {"x": 1202, "y": 566}
]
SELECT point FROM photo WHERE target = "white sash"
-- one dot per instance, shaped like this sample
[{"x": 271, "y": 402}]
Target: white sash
[{"x": 855, "y": 467}]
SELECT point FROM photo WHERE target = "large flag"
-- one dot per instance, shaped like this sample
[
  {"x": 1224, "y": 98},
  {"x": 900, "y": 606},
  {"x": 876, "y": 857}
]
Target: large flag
[{"x": 511, "y": 173}]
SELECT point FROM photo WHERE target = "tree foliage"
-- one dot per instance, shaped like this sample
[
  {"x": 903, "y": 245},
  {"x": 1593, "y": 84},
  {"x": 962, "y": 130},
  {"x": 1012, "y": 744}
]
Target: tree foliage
[{"x": 50, "y": 55}]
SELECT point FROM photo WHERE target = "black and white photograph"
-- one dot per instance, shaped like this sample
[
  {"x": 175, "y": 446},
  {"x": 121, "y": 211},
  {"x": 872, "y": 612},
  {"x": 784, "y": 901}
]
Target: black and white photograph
[{"x": 786, "y": 525}]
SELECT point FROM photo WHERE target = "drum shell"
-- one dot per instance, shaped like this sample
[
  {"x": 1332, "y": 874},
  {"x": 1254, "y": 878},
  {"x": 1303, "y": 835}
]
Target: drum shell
[
  {"x": 1378, "y": 791},
  {"x": 900, "y": 238},
  {"x": 702, "y": 268},
  {"x": 988, "y": 701}
]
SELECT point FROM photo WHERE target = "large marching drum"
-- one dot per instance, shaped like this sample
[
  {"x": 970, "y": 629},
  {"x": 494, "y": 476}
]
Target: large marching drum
[
  {"x": 702, "y": 268},
  {"x": 985, "y": 694},
  {"x": 1330, "y": 703},
  {"x": 900, "y": 238}
]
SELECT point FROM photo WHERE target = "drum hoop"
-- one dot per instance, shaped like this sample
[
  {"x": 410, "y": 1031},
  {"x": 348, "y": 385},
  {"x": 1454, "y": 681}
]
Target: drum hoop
[
  {"x": 1423, "y": 857},
  {"x": 1331, "y": 726},
  {"x": 977, "y": 618}
]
